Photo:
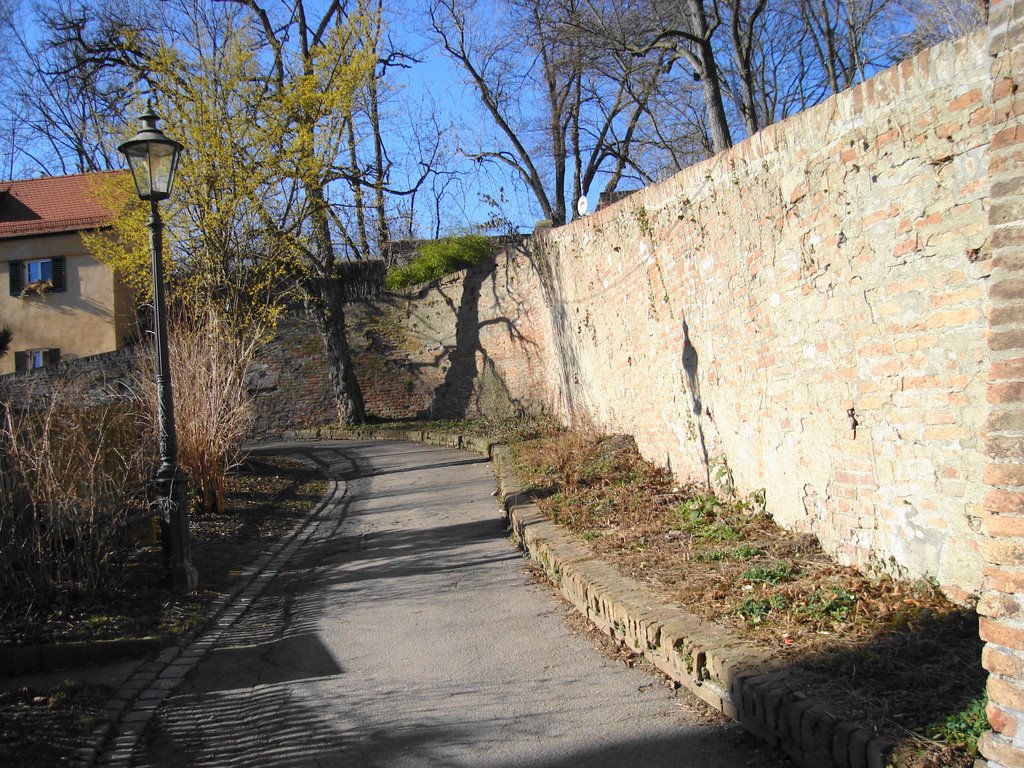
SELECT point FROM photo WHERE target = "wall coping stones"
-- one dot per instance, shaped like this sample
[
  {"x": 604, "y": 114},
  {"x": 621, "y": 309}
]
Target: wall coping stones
[{"x": 745, "y": 682}]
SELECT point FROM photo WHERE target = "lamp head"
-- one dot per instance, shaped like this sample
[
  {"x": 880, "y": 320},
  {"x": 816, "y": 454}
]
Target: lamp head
[{"x": 152, "y": 158}]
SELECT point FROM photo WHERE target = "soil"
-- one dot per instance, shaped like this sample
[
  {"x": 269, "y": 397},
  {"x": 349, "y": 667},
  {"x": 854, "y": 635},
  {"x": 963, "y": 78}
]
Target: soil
[
  {"x": 40, "y": 728},
  {"x": 890, "y": 652},
  {"x": 267, "y": 497}
]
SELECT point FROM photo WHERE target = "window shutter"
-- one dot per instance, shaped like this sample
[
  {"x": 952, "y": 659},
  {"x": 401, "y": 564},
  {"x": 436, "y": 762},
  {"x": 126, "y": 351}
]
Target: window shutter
[
  {"x": 20, "y": 363},
  {"x": 60, "y": 282},
  {"x": 51, "y": 356},
  {"x": 16, "y": 275}
]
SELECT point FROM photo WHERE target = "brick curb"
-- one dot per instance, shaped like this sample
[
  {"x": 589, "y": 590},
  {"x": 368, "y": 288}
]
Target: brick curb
[
  {"x": 740, "y": 680},
  {"x": 128, "y": 713}
]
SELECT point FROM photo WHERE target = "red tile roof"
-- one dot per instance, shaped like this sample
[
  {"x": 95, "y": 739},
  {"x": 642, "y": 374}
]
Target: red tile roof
[{"x": 51, "y": 205}]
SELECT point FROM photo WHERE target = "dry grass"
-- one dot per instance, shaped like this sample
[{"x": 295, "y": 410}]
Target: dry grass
[
  {"x": 882, "y": 649},
  {"x": 212, "y": 408},
  {"x": 74, "y": 474}
]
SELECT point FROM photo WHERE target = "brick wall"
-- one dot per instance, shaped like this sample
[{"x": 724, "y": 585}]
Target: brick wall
[
  {"x": 1003, "y": 520},
  {"x": 475, "y": 343},
  {"x": 290, "y": 381},
  {"x": 735, "y": 315}
]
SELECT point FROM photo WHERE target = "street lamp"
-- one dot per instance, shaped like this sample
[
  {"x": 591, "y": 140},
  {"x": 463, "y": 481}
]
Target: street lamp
[{"x": 153, "y": 159}]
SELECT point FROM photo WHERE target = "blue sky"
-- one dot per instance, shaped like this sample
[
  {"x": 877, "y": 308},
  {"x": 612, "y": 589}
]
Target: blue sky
[{"x": 436, "y": 89}]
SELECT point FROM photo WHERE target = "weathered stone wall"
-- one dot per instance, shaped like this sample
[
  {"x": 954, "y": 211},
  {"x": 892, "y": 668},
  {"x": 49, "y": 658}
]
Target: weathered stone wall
[
  {"x": 735, "y": 314},
  {"x": 105, "y": 378},
  {"x": 1003, "y": 519},
  {"x": 290, "y": 381},
  {"x": 475, "y": 343},
  {"x": 732, "y": 317}
]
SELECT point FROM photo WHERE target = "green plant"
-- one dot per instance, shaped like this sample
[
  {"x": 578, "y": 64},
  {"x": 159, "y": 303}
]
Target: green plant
[
  {"x": 67, "y": 692},
  {"x": 439, "y": 258},
  {"x": 757, "y": 501},
  {"x": 643, "y": 221},
  {"x": 833, "y": 604},
  {"x": 755, "y": 610},
  {"x": 695, "y": 512},
  {"x": 746, "y": 552},
  {"x": 722, "y": 474},
  {"x": 720, "y": 532},
  {"x": 964, "y": 728},
  {"x": 711, "y": 556},
  {"x": 704, "y": 517},
  {"x": 775, "y": 573},
  {"x": 591, "y": 535},
  {"x": 182, "y": 617}
]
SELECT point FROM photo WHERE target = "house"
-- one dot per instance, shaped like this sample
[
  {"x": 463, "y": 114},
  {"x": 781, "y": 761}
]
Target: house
[{"x": 58, "y": 300}]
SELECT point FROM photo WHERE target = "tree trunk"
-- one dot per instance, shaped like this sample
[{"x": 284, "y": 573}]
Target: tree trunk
[
  {"x": 326, "y": 304},
  {"x": 717, "y": 120}
]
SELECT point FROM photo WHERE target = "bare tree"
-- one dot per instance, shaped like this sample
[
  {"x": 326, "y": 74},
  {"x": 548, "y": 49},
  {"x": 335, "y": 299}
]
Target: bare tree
[
  {"x": 8, "y": 118},
  {"x": 844, "y": 34},
  {"x": 317, "y": 99},
  {"x": 64, "y": 97},
  {"x": 938, "y": 20},
  {"x": 744, "y": 37},
  {"x": 567, "y": 109}
]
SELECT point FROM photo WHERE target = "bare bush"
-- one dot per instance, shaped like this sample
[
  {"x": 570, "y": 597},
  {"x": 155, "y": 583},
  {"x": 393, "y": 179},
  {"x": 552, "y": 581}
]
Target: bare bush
[
  {"x": 213, "y": 410},
  {"x": 939, "y": 20},
  {"x": 73, "y": 474}
]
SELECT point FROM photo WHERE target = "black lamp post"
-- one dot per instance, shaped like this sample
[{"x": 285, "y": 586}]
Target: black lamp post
[{"x": 153, "y": 159}]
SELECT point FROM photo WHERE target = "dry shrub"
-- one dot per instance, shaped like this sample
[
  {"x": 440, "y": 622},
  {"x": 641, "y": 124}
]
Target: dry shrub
[
  {"x": 212, "y": 408},
  {"x": 73, "y": 474},
  {"x": 592, "y": 480}
]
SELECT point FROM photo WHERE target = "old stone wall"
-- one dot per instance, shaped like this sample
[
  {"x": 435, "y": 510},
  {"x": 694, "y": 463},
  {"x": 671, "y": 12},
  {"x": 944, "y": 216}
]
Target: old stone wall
[
  {"x": 807, "y": 310},
  {"x": 804, "y": 313},
  {"x": 476, "y": 343},
  {"x": 1003, "y": 432},
  {"x": 103, "y": 378},
  {"x": 290, "y": 381}
]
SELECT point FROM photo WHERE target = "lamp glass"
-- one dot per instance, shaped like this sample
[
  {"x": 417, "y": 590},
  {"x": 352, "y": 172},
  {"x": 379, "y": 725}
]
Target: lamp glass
[
  {"x": 163, "y": 161},
  {"x": 153, "y": 163},
  {"x": 138, "y": 162}
]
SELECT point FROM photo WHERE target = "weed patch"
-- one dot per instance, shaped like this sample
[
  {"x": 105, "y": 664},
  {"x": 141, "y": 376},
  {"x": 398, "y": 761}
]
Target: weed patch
[{"x": 774, "y": 573}]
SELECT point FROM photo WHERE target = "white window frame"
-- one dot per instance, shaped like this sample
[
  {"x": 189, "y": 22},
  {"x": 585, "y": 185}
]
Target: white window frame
[{"x": 38, "y": 269}]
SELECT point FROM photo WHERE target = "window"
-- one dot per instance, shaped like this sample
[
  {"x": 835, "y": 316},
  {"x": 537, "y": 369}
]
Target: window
[
  {"x": 37, "y": 276},
  {"x": 31, "y": 359},
  {"x": 36, "y": 271}
]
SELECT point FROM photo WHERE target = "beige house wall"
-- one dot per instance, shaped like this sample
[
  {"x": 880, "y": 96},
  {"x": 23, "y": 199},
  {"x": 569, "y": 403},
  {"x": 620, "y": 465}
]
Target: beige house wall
[{"x": 92, "y": 316}]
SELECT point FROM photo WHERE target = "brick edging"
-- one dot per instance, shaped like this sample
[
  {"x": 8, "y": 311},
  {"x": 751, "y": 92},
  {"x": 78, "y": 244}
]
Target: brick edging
[{"x": 740, "y": 680}]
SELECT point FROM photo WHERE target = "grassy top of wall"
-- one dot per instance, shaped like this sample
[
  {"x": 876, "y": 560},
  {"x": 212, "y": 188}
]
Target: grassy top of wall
[{"x": 439, "y": 258}]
